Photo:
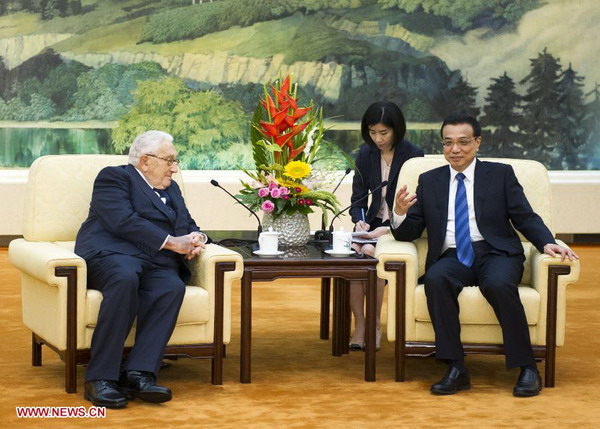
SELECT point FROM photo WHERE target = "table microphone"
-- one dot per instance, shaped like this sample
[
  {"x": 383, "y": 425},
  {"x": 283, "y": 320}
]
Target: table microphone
[
  {"x": 215, "y": 183},
  {"x": 348, "y": 170},
  {"x": 327, "y": 234}
]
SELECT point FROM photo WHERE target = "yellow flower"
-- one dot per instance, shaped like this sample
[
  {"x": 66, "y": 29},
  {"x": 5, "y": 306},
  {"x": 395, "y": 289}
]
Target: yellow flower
[{"x": 297, "y": 170}]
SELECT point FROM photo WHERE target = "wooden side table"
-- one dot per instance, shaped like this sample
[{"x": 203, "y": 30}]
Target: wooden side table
[{"x": 311, "y": 262}]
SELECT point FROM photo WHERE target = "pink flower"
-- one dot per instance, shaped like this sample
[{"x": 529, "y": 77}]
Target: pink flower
[
  {"x": 284, "y": 190},
  {"x": 308, "y": 202},
  {"x": 298, "y": 190},
  {"x": 301, "y": 201},
  {"x": 285, "y": 197},
  {"x": 272, "y": 185},
  {"x": 263, "y": 192},
  {"x": 267, "y": 206},
  {"x": 275, "y": 193}
]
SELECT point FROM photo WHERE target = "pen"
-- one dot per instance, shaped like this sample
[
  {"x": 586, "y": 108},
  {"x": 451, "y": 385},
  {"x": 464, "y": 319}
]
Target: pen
[{"x": 362, "y": 214}]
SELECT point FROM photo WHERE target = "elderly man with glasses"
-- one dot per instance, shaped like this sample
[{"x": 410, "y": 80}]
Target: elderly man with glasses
[
  {"x": 135, "y": 241},
  {"x": 469, "y": 209}
]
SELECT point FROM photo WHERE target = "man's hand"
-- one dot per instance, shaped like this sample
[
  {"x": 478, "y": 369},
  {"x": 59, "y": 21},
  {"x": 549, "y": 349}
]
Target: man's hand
[
  {"x": 404, "y": 200},
  {"x": 189, "y": 245},
  {"x": 563, "y": 252}
]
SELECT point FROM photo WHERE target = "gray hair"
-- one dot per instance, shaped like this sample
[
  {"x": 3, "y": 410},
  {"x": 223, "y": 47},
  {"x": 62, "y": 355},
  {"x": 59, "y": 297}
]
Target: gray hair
[{"x": 148, "y": 142}]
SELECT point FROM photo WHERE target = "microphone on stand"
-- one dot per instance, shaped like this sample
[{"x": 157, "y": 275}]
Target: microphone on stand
[
  {"x": 215, "y": 183},
  {"x": 348, "y": 170},
  {"x": 327, "y": 234}
]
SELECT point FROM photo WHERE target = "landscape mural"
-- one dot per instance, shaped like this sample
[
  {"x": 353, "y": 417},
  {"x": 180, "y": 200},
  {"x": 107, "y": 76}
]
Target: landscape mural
[{"x": 85, "y": 76}]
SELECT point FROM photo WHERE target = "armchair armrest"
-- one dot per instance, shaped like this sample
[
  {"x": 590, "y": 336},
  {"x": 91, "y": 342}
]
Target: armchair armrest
[
  {"x": 550, "y": 277},
  {"x": 203, "y": 267},
  {"x": 539, "y": 269},
  {"x": 40, "y": 259},
  {"x": 212, "y": 265},
  {"x": 53, "y": 278},
  {"x": 390, "y": 250}
]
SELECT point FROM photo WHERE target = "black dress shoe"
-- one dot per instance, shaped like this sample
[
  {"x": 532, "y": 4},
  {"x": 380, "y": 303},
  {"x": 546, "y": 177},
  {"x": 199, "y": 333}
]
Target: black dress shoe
[
  {"x": 142, "y": 384},
  {"x": 453, "y": 381},
  {"x": 104, "y": 393},
  {"x": 356, "y": 347},
  {"x": 528, "y": 384}
]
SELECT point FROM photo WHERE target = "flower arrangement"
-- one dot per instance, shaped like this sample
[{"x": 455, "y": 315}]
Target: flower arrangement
[{"x": 286, "y": 139}]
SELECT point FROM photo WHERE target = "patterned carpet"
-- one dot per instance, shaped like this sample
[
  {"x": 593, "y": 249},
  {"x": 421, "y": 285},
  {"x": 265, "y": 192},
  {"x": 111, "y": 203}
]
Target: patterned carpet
[{"x": 297, "y": 383}]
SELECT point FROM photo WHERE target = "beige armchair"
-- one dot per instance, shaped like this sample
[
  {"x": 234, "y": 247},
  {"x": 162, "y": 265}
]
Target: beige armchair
[
  {"x": 58, "y": 308},
  {"x": 542, "y": 288}
]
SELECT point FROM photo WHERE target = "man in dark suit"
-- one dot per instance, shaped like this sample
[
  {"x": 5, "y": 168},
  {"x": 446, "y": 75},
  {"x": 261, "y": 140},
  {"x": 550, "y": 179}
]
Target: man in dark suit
[
  {"x": 468, "y": 208},
  {"x": 135, "y": 241}
]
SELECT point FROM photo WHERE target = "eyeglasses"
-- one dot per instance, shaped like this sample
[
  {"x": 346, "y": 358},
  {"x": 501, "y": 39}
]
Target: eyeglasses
[
  {"x": 169, "y": 161},
  {"x": 462, "y": 142}
]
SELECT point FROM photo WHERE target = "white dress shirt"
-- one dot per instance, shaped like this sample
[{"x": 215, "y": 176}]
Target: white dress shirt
[{"x": 469, "y": 181}]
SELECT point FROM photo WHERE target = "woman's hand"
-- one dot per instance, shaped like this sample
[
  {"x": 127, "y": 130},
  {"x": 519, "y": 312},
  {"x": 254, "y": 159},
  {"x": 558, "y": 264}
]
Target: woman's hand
[
  {"x": 377, "y": 232},
  {"x": 361, "y": 225}
]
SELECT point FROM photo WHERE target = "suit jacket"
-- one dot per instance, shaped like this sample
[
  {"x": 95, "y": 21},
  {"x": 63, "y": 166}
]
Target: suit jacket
[
  {"x": 500, "y": 204},
  {"x": 126, "y": 216},
  {"x": 368, "y": 177}
]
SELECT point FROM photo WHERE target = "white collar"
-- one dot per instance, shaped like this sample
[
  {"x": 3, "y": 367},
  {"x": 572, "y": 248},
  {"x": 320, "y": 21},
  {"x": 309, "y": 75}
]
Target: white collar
[
  {"x": 143, "y": 177},
  {"x": 469, "y": 172}
]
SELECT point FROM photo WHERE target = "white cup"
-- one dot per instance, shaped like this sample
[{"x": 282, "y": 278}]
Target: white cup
[
  {"x": 268, "y": 241},
  {"x": 342, "y": 241}
]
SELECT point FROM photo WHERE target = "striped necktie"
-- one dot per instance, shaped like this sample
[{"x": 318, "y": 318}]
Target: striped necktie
[{"x": 464, "y": 249}]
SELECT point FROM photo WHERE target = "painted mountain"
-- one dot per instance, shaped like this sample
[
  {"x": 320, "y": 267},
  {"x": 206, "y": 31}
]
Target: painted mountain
[{"x": 196, "y": 69}]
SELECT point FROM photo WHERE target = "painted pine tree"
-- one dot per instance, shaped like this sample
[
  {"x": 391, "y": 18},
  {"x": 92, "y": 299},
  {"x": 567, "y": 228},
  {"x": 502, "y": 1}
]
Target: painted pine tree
[
  {"x": 541, "y": 111},
  {"x": 502, "y": 112},
  {"x": 463, "y": 97},
  {"x": 572, "y": 106}
]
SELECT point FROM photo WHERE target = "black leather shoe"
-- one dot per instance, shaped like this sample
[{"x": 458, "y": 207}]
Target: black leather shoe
[
  {"x": 142, "y": 384},
  {"x": 453, "y": 381},
  {"x": 356, "y": 347},
  {"x": 528, "y": 384},
  {"x": 104, "y": 393}
]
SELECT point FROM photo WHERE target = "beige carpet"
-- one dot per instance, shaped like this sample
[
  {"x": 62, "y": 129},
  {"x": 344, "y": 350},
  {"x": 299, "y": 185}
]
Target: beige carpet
[{"x": 297, "y": 383}]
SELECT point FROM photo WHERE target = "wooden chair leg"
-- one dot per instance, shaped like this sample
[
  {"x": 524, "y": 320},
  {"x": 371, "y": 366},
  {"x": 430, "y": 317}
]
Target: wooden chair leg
[
  {"x": 553, "y": 272},
  {"x": 400, "y": 345},
  {"x": 70, "y": 373},
  {"x": 36, "y": 352},
  {"x": 217, "y": 369},
  {"x": 549, "y": 369}
]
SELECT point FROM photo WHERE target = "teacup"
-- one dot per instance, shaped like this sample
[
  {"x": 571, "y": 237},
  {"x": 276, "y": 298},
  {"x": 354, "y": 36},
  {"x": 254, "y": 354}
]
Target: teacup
[
  {"x": 342, "y": 241},
  {"x": 268, "y": 241}
]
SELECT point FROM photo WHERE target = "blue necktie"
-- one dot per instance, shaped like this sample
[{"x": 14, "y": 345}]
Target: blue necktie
[{"x": 464, "y": 249}]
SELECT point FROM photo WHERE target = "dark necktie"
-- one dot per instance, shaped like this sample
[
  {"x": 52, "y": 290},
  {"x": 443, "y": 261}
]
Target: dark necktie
[
  {"x": 164, "y": 196},
  {"x": 462, "y": 234}
]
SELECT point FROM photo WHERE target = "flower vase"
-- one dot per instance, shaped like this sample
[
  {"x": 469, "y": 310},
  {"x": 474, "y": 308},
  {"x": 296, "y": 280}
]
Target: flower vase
[{"x": 294, "y": 228}]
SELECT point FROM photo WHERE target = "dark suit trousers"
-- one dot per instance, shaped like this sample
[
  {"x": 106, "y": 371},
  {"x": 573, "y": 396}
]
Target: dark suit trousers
[
  {"x": 132, "y": 286},
  {"x": 497, "y": 276}
]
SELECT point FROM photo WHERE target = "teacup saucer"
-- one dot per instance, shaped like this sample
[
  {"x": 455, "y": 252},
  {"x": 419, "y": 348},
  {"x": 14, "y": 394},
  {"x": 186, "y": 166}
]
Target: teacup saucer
[
  {"x": 339, "y": 253},
  {"x": 265, "y": 253}
]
